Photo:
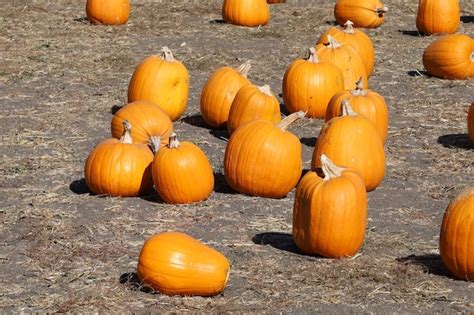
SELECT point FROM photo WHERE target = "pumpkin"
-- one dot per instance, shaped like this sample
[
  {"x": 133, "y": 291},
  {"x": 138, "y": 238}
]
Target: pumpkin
[
  {"x": 264, "y": 159},
  {"x": 346, "y": 58},
  {"x": 181, "y": 171},
  {"x": 450, "y": 57},
  {"x": 108, "y": 12},
  {"x": 219, "y": 92},
  {"x": 162, "y": 80},
  {"x": 330, "y": 212},
  {"x": 357, "y": 39},
  {"x": 367, "y": 103},
  {"x": 438, "y": 16},
  {"x": 470, "y": 123},
  {"x": 251, "y": 103},
  {"x": 246, "y": 12},
  {"x": 119, "y": 167},
  {"x": 456, "y": 245},
  {"x": 174, "y": 263},
  {"x": 364, "y": 13},
  {"x": 351, "y": 140},
  {"x": 308, "y": 85},
  {"x": 147, "y": 120}
]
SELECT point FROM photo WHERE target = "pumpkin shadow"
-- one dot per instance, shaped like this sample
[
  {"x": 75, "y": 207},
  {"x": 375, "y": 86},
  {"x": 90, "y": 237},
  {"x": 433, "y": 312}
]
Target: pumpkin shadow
[
  {"x": 79, "y": 186},
  {"x": 217, "y": 21},
  {"x": 418, "y": 73},
  {"x": 467, "y": 19},
  {"x": 308, "y": 141},
  {"x": 115, "y": 108},
  {"x": 283, "y": 109},
  {"x": 278, "y": 240},
  {"x": 460, "y": 140},
  {"x": 82, "y": 19},
  {"x": 432, "y": 263},
  {"x": 221, "y": 186},
  {"x": 195, "y": 120},
  {"x": 411, "y": 33},
  {"x": 131, "y": 281}
]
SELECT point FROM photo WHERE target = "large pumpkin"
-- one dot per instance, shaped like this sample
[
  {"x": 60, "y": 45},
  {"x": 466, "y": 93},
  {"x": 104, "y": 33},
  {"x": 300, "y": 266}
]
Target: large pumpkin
[
  {"x": 162, "y": 80},
  {"x": 456, "y": 242},
  {"x": 364, "y": 13},
  {"x": 174, "y": 263},
  {"x": 438, "y": 16},
  {"x": 246, "y": 12},
  {"x": 308, "y": 85},
  {"x": 470, "y": 123},
  {"x": 264, "y": 159},
  {"x": 330, "y": 212},
  {"x": 108, "y": 12}
]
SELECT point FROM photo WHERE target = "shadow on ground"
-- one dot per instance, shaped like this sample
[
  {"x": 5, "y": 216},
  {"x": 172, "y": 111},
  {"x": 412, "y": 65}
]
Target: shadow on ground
[
  {"x": 430, "y": 262},
  {"x": 460, "y": 140},
  {"x": 79, "y": 186},
  {"x": 278, "y": 240}
]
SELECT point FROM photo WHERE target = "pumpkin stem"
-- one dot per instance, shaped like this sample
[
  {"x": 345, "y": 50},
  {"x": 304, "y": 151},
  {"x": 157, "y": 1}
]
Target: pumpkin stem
[
  {"x": 349, "y": 27},
  {"x": 127, "y": 132},
  {"x": 174, "y": 143},
  {"x": 347, "y": 108},
  {"x": 381, "y": 11},
  {"x": 330, "y": 170},
  {"x": 333, "y": 43},
  {"x": 359, "y": 90},
  {"x": 155, "y": 143},
  {"x": 472, "y": 57},
  {"x": 265, "y": 89},
  {"x": 313, "y": 56},
  {"x": 166, "y": 54},
  {"x": 244, "y": 68},
  {"x": 288, "y": 120}
]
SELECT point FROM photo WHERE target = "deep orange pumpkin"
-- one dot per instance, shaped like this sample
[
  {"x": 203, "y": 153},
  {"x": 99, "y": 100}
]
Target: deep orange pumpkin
[
  {"x": 246, "y": 12},
  {"x": 108, "y": 12},
  {"x": 364, "y": 13},
  {"x": 438, "y": 16}
]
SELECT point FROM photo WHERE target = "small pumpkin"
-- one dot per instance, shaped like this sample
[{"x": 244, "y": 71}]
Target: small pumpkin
[
  {"x": 162, "y": 80},
  {"x": 450, "y": 57},
  {"x": 147, "y": 120},
  {"x": 351, "y": 140},
  {"x": 330, "y": 212},
  {"x": 246, "y": 12},
  {"x": 264, "y": 159},
  {"x": 119, "y": 167},
  {"x": 252, "y": 103},
  {"x": 470, "y": 123},
  {"x": 438, "y": 16},
  {"x": 219, "y": 92},
  {"x": 108, "y": 12},
  {"x": 181, "y": 171},
  {"x": 364, "y": 13},
  {"x": 456, "y": 244},
  {"x": 309, "y": 84},
  {"x": 174, "y": 263},
  {"x": 367, "y": 103}
]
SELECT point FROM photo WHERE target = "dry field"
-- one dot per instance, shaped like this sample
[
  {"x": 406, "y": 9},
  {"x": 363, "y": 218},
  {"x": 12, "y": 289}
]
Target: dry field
[{"x": 66, "y": 250}]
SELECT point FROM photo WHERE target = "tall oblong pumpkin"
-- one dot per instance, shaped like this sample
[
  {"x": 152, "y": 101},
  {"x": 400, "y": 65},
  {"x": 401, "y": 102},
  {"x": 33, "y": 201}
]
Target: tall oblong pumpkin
[
  {"x": 438, "y": 16},
  {"x": 364, "y": 13},
  {"x": 246, "y": 12},
  {"x": 108, "y": 12}
]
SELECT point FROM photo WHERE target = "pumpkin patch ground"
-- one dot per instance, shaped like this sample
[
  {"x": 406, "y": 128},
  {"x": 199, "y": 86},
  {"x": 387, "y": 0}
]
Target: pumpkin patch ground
[{"x": 64, "y": 249}]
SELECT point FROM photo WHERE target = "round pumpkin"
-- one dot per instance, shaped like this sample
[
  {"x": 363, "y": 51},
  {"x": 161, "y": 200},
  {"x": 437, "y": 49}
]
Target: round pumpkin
[
  {"x": 108, "y": 12},
  {"x": 308, "y": 85},
  {"x": 264, "y": 159},
  {"x": 470, "y": 123},
  {"x": 456, "y": 244},
  {"x": 119, "y": 167},
  {"x": 174, "y": 263},
  {"x": 450, "y": 57},
  {"x": 219, "y": 92},
  {"x": 162, "y": 80},
  {"x": 438, "y": 16},
  {"x": 330, "y": 211},
  {"x": 351, "y": 140},
  {"x": 181, "y": 172},
  {"x": 364, "y": 13},
  {"x": 246, "y": 12}
]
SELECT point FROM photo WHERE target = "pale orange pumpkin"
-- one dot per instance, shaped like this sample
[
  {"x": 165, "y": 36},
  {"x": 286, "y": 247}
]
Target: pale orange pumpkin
[
  {"x": 175, "y": 263},
  {"x": 470, "y": 123},
  {"x": 219, "y": 92},
  {"x": 246, "y": 12},
  {"x": 162, "y": 80},
  {"x": 438, "y": 16},
  {"x": 364, "y": 13},
  {"x": 330, "y": 213},
  {"x": 456, "y": 244},
  {"x": 308, "y": 85},
  {"x": 108, "y": 12}
]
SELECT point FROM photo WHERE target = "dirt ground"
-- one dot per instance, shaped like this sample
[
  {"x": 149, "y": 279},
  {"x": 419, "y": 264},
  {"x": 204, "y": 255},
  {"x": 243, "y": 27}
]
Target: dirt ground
[{"x": 66, "y": 250}]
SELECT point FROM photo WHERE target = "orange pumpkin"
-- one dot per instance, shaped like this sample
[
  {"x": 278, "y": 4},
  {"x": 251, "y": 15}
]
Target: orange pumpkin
[
  {"x": 181, "y": 172},
  {"x": 252, "y": 103},
  {"x": 357, "y": 39},
  {"x": 456, "y": 244},
  {"x": 470, "y": 123},
  {"x": 147, "y": 120},
  {"x": 246, "y": 12},
  {"x": 219, "y": 92},
  {"x": 364, "y": 13},
  {"x": 308, "y": 85},
  {"x": 264, "y": 159},
  {"x": 119, "y": 167},
  {"x": 351, "y": 140},
  {"x": 174, "y": 263},
  {"x": 438, "y": 16},
  {"x": 108, "y": 12},
  {"x": 367, "y": 103},
  {"x": 330, "y": 213},
  {"x": 346, "y": 58},
  {"x": 450, "y": 57},
  {"x": 162, "y": 80}
]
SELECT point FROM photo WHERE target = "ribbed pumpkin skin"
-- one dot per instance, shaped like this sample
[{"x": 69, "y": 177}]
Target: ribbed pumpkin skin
[
  {"x": 330, "y": 217},
  {"x": 174, "y": 263},
  {"x": 165, "y": 83},
  {"x": 456, "y": 242},
  {"x": 362, "y": 12},
  {"x": 470, "y": 123},
  {"x": 251, "y": 104},
  {"x": 218, "y": 93},
  {"x": 438, "y": 16},
  {"x": 108, "y": 12},
  {"x": 262, "y": 160},
  {"x": 450, "y": 57},
  {"x": 246, "y": 12},
  {"x": 182, "y": 174},
  {"x": 147, "y": 120}
]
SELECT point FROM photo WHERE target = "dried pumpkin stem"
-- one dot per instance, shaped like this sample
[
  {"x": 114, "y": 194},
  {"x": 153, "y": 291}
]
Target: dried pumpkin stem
[
  {"x": 174, "y": 143},
  {"x": 313, "y": 56},
  {"x": 333, "y": 43},
  {"x": 265, "y": 89},
  {"x": 244, "y": 68},
  {"x": 288, "y": 120},
  {"x": 155, "y": 143},
  {"x": 166, "y": 54},
  {"x": 359, "y": 90},
  {"x": 381, "y": 10},
  {"x": 127, "y": 132},
  {"x": 330, "y": 170},
  {"x": 347, "y": 108},
  {"x": 472, "y": 57},
  {"x": 349, "y": 27}
]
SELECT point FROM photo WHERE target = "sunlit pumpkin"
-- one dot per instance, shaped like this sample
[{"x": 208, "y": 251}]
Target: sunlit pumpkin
[
  {"x": 364, "y": 13},
  {"x": 108, "y": 12},
  {"x": 438, "y": 16},
  {"x": 246, "y": 12}
]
